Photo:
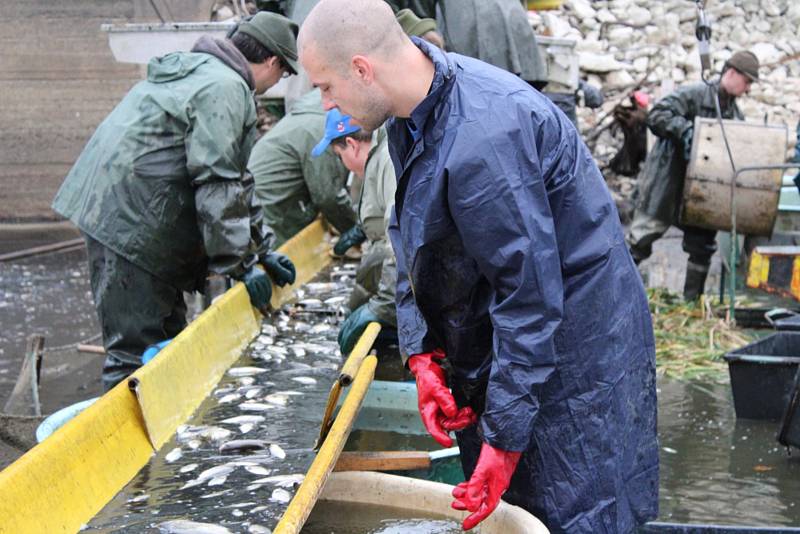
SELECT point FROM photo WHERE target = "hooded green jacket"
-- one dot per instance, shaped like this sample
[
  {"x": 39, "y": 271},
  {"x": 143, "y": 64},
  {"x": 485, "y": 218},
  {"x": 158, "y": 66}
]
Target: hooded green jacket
[
  {"x": 291, "y": 186},
  {"x": 376, "y": 277},
  {"x": 161, "y": 182}
]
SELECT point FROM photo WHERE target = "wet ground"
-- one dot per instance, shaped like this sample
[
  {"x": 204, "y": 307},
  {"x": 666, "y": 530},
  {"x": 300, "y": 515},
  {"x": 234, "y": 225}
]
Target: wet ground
[
  {"x": 49, "y": 295},
  {"x": 714, "y": 468}
]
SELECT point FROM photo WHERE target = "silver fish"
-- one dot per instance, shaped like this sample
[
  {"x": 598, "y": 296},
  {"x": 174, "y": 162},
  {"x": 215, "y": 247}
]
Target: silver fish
[
  {"x": 188, "y": 468},
  {"x": 305, "y": 380},
  {"x": 207, "y": 433},
  {"x": 184, "y": 526},
  {"x": 252, "y": 393},
  {"x": 245, "y": 371},
  {"x": 280, "y": 495},
  {"x": 244, "y": 419},
  {"x": 320, "y": 287},
  {"x": 315, "y": 347},
  {"x": 269, "y": 330},
  {"x": 231, "y": 397},
  {"x": 216, "y": 471},
  {"x": 334, "y": 301},
  {"x": 276, "y": 451},
  {"x": 173, "y": 455},
  {"x": 257, "y": 470},
  {"x": 255, "y": 407},
  {"x": 301, "y": 327},
  {"x": 277, "y": 399},
  {"x": 320, "y": 328}
]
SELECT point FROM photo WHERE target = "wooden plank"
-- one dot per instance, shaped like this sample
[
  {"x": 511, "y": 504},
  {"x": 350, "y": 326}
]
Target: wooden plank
[
  {"x": 382, "y": 461},
  {"x": 24, "y": 398}
]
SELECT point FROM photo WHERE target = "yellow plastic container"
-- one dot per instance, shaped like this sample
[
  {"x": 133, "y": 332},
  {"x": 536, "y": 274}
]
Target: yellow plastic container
[{"x": 543, "y": 5}]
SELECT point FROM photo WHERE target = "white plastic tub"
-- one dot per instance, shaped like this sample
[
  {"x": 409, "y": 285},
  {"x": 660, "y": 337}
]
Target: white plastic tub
[{"x": 423, "y": 496}]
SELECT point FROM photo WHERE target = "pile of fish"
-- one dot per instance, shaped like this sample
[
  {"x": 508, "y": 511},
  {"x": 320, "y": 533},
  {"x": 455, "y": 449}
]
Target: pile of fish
[{"x": 235, "y": 465}]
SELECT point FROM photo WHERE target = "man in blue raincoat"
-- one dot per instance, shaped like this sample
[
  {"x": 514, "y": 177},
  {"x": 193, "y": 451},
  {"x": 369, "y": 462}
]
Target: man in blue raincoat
[{"x": 515, "y": 286}]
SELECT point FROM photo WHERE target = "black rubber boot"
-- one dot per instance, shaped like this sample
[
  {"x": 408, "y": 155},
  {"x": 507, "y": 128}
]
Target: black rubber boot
[{"x": 695, "y": 284}]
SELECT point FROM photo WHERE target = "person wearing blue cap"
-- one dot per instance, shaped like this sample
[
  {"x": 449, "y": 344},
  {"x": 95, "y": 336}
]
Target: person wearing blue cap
[{"x": 366, "y": 155}]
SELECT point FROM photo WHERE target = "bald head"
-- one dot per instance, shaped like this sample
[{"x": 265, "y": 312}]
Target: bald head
[{"x": 337, "y": 30}]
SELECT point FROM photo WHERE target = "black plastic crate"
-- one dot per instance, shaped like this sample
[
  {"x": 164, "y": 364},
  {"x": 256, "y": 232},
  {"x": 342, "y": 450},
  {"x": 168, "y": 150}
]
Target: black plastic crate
[
  {"x": 790, "y": 428},
  {"x": 762, "y": 375}
]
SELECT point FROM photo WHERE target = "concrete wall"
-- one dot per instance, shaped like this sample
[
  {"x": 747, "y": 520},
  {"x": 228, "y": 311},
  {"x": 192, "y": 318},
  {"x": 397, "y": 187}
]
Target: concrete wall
[{"x": 58, "y": 80}]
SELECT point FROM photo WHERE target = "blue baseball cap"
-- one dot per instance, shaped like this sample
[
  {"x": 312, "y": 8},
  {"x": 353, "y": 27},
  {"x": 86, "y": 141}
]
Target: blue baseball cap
[{"x": 336, "y": 125}]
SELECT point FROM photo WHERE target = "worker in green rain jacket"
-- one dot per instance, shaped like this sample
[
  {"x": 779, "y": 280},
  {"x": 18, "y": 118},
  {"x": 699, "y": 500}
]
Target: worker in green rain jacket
[
  {"x": 291, "y": 186},
  {"x": 494, "y": 31},
  {"x": 161, "y": 194},
  {"x": 660, "y": 187},
  {"x": 366, "y": 154}
]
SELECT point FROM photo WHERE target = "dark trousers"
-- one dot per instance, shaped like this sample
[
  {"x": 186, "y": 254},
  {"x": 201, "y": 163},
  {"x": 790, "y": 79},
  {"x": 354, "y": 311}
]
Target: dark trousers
[
  {"x": 135, "y": 309},
  {"x": 699, "y": 243}
]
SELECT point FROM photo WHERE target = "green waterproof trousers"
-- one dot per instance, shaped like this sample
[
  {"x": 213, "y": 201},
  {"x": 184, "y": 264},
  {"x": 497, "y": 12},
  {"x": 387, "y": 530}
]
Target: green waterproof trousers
[{"x": 135, "y": 309}]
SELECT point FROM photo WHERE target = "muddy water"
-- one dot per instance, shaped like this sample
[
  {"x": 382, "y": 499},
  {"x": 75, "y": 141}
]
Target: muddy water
[
  {"x": 714, "y": 468},
  {"x": 49, "y": 295},
  {"x": 345, "y": 518},
  {"x": 248, "y": 490},
  {"x": 717, "y": 469}
]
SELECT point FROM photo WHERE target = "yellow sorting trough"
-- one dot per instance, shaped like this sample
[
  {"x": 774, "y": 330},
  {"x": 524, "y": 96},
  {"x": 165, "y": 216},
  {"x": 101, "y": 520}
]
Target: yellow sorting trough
[{"x": 60, "y": 484}]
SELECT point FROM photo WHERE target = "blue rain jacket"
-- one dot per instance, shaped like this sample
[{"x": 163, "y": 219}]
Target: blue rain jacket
[{"x": 511, "y": 258}]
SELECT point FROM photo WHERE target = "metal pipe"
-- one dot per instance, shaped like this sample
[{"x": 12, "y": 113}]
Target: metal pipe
[
  {"x": 299, "y": 509},
  {"x": 359, "y": 352},
  {"x": 43, "y": 249}
]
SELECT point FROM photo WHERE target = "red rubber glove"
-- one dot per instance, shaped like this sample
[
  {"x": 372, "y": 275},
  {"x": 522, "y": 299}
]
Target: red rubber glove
[
  {"x": 481, "y": 493},
  {"x": 437, "y": 407}
]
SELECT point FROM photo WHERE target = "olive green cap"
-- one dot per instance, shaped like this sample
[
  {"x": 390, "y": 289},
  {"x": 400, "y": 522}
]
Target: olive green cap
[
  {"x": 745, "y": 62},
  {"x": 277, "y": 33},
  {"x": 413, "y": 25}
]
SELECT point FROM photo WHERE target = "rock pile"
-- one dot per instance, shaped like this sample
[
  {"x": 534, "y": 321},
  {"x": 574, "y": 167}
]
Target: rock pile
[{"x": 629, "y": 44}]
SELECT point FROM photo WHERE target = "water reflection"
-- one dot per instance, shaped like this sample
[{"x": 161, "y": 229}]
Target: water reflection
[{"x": 717, "y": 469}]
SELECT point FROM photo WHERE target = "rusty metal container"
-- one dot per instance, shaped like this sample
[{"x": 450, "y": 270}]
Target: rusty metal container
[{"x": 706, "y": 199}]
